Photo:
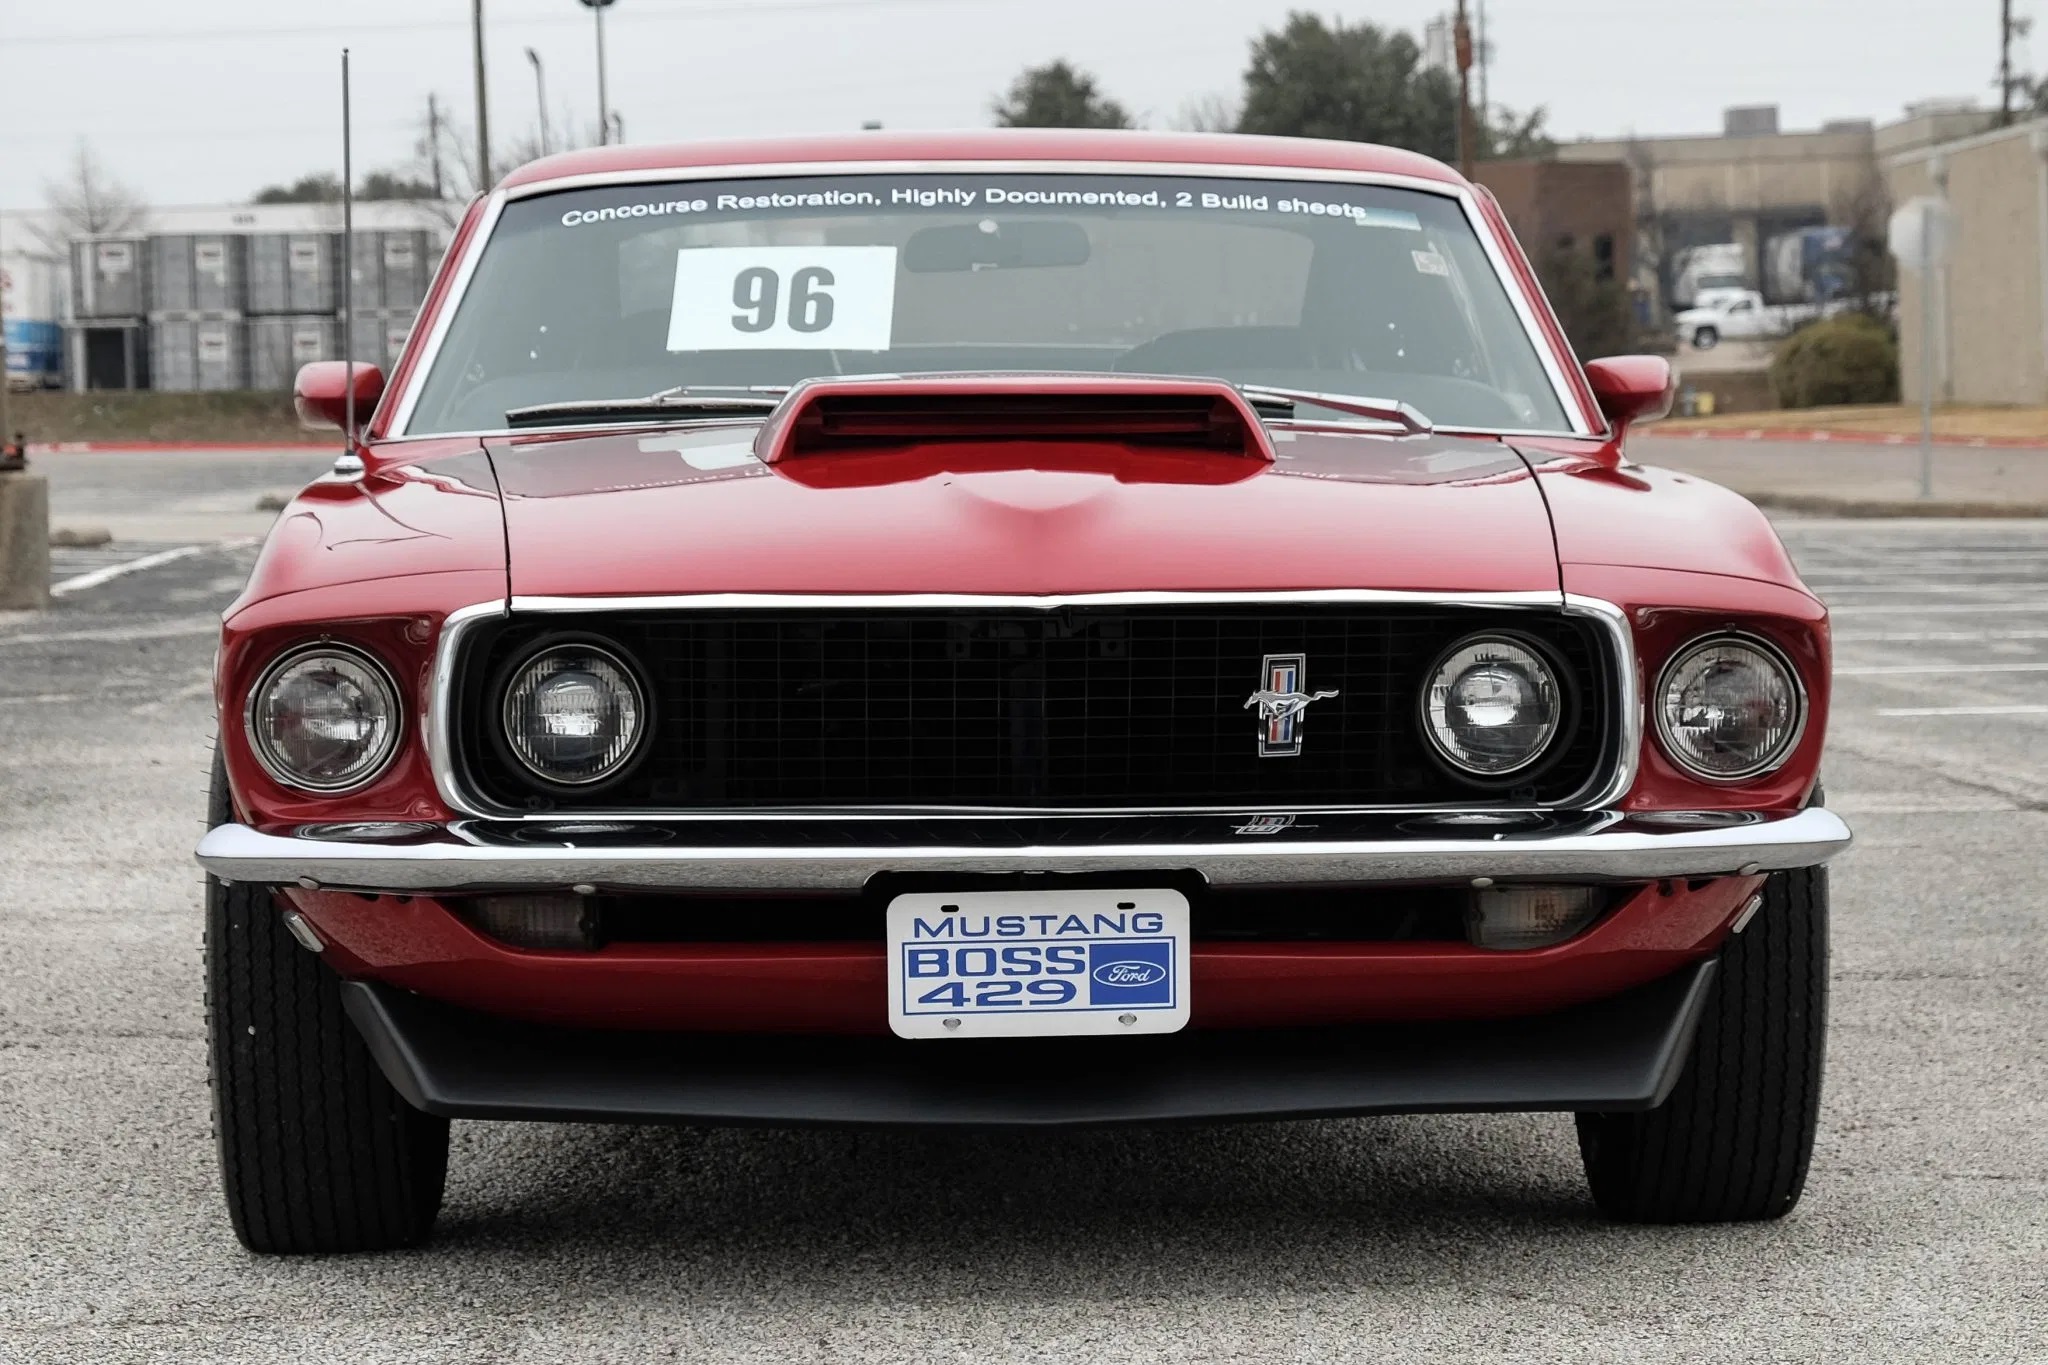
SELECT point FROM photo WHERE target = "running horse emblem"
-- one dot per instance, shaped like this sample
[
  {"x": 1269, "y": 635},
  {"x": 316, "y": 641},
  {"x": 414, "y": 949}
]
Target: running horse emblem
[{"x": 1280, "y": 704}]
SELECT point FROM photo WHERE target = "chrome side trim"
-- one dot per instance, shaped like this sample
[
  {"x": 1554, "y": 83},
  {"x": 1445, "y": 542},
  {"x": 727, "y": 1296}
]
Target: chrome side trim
[
  {"x": 1584, "y": 422},
  {"x": 1607, "y": 852},
  {"x": 437, "y": 725}
]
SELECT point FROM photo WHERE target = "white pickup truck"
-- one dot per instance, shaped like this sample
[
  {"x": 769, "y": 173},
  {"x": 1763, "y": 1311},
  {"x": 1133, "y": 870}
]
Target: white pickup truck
[{"x": 1739, "y": 315}]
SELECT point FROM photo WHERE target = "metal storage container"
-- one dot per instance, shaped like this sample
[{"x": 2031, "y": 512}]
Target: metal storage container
[
  {"x": 199, "y": 274},
  {"x": 294, "y": 272},
  {"x": 109, "y": 277},
  {"x": 33, "y": 291},
  {"x": 408, "y": 261},
  {"x": 198, "y": 355},
  {"x": 366, "y": 272},
  {"x": 378, "y": 336},
  {"x": 279, "y": 346}
]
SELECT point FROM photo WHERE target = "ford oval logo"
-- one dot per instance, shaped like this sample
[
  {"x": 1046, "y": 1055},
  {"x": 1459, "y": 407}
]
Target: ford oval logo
[{"x": 1129, "y": 973}]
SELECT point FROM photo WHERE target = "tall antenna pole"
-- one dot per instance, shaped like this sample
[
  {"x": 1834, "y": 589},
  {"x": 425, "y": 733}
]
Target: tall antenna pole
[
  {"x": 483, "y": 110},
  {"x": 350, "y": 462},
  {"x": 6, "y": 416}
]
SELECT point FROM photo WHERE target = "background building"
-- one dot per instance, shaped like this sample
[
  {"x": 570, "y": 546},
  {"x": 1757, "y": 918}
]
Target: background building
[
  {"x": 1754, "y": 184},
  {"x": 212, "y": 297},
  {"x": 1990, "y": 303}
]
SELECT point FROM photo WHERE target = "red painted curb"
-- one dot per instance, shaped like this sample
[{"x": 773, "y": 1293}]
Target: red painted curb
[
  {"x": 154, "y": 447},
  {"x": 1847, "y": 438}
]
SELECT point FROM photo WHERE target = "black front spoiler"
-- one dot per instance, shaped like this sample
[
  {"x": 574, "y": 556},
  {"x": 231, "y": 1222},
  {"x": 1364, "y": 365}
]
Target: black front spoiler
[{"x": 1616, "y": 1054}]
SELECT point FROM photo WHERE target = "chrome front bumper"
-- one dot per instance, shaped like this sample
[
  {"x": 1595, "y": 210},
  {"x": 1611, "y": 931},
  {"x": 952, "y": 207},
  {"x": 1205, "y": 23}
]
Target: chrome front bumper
[{"x": 828, "y": 853}]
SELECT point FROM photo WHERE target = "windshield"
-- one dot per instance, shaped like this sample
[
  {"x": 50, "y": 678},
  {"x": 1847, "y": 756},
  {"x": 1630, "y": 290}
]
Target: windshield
[{"x": 625, "y": 291}]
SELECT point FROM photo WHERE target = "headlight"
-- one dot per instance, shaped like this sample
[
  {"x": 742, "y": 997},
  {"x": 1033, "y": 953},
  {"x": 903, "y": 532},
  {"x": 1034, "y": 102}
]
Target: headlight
[
  {"x": 1492, "y": 706},
  {"x": 324, "y": 719},
  {"x": 1728, "y": 708},
  {"x": 574, "y": 714}
]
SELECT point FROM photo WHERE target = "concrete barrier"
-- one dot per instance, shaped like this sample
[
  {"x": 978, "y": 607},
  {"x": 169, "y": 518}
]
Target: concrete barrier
[{"x": 24, "y": 542}]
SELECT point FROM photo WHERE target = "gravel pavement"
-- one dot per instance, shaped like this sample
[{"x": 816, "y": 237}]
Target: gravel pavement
[{"x": 1923, "y": 1235}]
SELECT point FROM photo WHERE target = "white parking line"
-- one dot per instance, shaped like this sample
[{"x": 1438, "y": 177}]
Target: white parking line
[
  {"x": 1902, "y": 670},
  {"x": 1958, "y": 589},
  {"x": 1963, "y": 711},
  {"x": 1901, "y": 637},
  {"x": 112, "y": 571},
  {"x": 153, "y": 630},
  {"x": 1939, "y": 608}
]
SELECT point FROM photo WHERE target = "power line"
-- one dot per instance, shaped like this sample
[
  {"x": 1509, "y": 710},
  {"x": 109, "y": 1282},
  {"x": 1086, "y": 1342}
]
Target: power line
[{"x": 211, "y": 35}]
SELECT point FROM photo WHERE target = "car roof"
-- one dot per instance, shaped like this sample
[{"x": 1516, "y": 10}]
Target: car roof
[{"x": 989, "y": 144}]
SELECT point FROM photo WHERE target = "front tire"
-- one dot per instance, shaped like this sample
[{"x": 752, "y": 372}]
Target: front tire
[
  {"x": 1733, "y": 1141},
  {"x": 317, "y": 1152}
]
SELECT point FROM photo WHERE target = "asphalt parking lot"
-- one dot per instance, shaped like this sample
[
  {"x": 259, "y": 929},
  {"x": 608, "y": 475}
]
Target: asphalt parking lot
[{"x": 1923, "y": 1235}]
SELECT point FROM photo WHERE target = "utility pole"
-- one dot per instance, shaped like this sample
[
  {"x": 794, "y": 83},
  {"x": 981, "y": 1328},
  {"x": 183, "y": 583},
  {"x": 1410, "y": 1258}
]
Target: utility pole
[
  {"x": 540, "y": 97},
  {"x": 604, "y": 107},
  {"x": 1466, "y": 137},
  {"x": 434, "y": 142},
  {"x": 483, "y": 111},
  {"x": 1485, "y": 63},
  {"x": 2004, "y": 63}
]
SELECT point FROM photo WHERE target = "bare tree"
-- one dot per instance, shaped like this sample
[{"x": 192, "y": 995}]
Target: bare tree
[
  {"x": 445, "y": 154},
  {"x": 1210, "y": 113},
  {"x": 88, "y": 202},
  {"x": 1872, "y": 276}
]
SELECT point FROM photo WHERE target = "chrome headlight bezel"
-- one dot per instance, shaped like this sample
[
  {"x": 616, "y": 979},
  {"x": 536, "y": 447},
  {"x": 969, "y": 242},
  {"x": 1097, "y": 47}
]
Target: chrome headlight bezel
[
  {"x": 619, "y": 661},
  {"x": 1563, "y": 723},
  {"x": 1773, "y": 655},
  {"x": 383, "y": 683}
]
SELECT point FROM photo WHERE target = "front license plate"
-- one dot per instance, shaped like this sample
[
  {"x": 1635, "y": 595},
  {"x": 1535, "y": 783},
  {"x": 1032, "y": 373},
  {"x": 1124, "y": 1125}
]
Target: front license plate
[{"x": 1027, "y": 964}]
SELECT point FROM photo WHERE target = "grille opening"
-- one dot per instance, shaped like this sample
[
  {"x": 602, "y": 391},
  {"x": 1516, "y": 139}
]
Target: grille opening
[
  {"x": 1079, "y": 707},
  {"x": 1350, "y": 915}
]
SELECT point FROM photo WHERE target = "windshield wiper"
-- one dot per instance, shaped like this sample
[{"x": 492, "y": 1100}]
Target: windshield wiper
[
  {"x": 1265, "y": 396},
  {"x": 705, "y": 401}
]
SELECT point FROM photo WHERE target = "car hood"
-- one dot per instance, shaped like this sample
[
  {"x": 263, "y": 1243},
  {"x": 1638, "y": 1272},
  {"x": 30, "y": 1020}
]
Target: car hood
[{"x": 695, "y": 511}]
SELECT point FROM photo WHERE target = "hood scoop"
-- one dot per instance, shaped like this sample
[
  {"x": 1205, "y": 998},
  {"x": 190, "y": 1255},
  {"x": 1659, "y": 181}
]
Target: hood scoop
[{"x": 821, "y": 418}]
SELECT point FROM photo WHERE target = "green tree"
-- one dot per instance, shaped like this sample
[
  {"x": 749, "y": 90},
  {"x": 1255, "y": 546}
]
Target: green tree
[
  {"x": 393, "y": 185},
  {"x": 1594, "y": 311},
  {"x": 1058, "y": 96},
  {"x": 317, "y": 188},
  {"x": 1354, "y": 82},
  {"x": 1361, "y": 83},
  {"x": 323, "y": 188}
]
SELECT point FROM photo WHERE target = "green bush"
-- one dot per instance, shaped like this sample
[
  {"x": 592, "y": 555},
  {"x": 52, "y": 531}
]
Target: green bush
[{"x": 1837, "y": 362}]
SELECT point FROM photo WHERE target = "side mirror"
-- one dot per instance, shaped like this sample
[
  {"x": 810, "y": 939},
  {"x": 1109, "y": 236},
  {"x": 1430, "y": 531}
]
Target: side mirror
[
  {"x": 1633, "y": 389},
  {"x": 321, "y": 394}
]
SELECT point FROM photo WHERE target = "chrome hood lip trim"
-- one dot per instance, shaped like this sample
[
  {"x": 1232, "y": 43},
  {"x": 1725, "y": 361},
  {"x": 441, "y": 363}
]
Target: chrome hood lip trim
[
  {"x": 439, "y": 722},
  {"x": 1604, "y": 849}
]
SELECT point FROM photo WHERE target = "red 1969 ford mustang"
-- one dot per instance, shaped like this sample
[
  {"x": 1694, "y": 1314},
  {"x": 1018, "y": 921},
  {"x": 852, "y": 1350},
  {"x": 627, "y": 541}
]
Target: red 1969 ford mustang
[{"x": 1008, "y": 629}]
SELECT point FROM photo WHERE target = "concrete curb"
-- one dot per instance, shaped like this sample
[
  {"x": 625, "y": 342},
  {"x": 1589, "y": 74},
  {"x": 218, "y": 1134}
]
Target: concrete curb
[
  {"x": 1823, "y": 505},
  {"x": 1847, "y": 438}
]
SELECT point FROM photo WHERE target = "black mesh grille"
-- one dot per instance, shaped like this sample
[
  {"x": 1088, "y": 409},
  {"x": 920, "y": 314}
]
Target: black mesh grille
[{"x": 1070, "y": 708}]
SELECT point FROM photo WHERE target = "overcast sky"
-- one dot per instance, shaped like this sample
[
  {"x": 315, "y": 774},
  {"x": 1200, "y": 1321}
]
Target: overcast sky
[{"x": 203, "y": 101}]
